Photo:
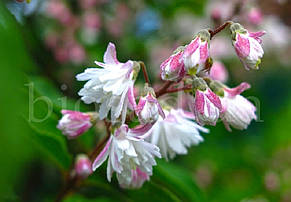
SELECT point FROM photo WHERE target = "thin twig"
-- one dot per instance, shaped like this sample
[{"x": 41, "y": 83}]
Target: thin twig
[
  {"x": 219, "y": 29},
  {"x": 162, "y": 90},
  {"x": 72, "y": 182},
  {"x": 174, "y": 90},
  {"x": 144, "y": 71}
]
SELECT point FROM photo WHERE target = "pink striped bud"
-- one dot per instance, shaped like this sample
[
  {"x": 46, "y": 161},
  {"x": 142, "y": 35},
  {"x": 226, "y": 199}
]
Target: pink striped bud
[
  {"x": 206, "y": 107},
  {"x": 173, "y": 68},
  {"x": 197, "y": 52},
  {"x": 74, "y": 123},
  {"x": 148, "y": 108},
  {"x": 247, "y": 46},
  {"x": 83, "y": 166}
]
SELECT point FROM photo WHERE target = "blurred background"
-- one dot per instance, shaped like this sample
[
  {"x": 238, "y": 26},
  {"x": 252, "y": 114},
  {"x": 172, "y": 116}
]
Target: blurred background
[{"x": 45, "y": 43}]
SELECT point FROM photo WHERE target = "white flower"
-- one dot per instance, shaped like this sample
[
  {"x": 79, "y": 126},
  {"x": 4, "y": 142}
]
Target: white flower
[
  {"x": 129, "y": 156},
  {"x": 237, "y": 110},
  {"x": 109, "y": 86},
  {"x": 175, "y": 133}
]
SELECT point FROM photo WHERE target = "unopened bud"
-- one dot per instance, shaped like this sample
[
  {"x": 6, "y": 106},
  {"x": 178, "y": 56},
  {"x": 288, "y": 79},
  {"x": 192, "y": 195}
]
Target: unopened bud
[{"x": 83, "y": 166}]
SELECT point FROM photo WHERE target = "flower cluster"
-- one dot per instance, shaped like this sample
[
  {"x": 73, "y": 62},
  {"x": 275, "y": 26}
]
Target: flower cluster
[{"x": 160, "y": 130}]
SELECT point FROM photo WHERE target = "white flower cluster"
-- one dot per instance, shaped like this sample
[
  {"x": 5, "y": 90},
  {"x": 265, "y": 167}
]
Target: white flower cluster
[{"x": 163, "y": 131}]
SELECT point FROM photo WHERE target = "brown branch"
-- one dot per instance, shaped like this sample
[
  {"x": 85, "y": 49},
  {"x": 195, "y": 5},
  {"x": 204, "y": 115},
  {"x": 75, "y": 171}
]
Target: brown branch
[
  {"x": 218, "y": 29},
  {"x": 101, "y": 144},
  {"x": 144, "y": 71},
  {"x": 71, "y": 182},
  {"x": 174, "y": 90},
  {"x": 163, "y": 89}
]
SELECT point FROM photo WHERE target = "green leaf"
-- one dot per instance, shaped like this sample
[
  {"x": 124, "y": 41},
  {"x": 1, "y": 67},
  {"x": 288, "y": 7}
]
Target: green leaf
[
  {"x": 43, "y": 121},
  {"x": 178, "y": 181},
  {"x": 80, "y": 198},
  {"x": 45, "y": 87},
  {"x": 51, "y": 140}
]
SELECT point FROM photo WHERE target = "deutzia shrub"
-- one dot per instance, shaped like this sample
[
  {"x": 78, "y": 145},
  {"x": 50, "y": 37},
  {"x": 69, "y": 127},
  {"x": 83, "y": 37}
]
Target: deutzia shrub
[{"x": 163, "y": 130}]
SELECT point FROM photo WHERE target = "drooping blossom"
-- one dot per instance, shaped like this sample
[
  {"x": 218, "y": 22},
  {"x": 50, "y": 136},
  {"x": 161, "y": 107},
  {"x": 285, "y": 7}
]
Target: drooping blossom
[
  {"x": 83, "y": 166},
  {"x": 148, "y": 108},
  {"x": 173, "y": 68},
  {"x": 74, "y": 123},
  {"x": 218, "y": 72},
  {"x": 196, "y": 52},
  {"x": 237, "y": 111},
  {"x": 129, "y": 156},
  {"x": 175, "y": 133},
  {"x": 206, "y": 107},
  {"x": 110, "y": 86},
  {"x": 247, "y": 46}
]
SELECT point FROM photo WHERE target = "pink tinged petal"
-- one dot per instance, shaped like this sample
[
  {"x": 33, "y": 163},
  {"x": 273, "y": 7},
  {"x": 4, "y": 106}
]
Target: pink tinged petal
[
  {"x": 165, "y": 63},
  {"x": 242, "y": 46},
  {"x": 140, "y": 105},
  {"x": 161, "y": 111},
  {"x": 186, "y": 114},
  {"x": 199, "y": 102},
  {"x": 102, "y": 156},
  {"x": 103, "y": 64},
  {"x": 140, "y": 132},
  {"x": 257, "y": 35},
  {"x": 83, "y": 129},
  {"x": 75, "y": 115},
  {"x": 131, "y": 97},
  {"x": 110, "y": 54},
  {"x": 175, "y": 63},
  {"x": 192, "y": 47},
  {"x": 237, "y": 90},
  {"x": 204, "y": 52},
  {"x": 214, "y": 99},
  {"x": 150, "y": 98}
]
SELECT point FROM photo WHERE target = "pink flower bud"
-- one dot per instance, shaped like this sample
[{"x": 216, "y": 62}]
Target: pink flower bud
[
  {"x": 197, "y": 52},
  {"x": 218, "y": 72},
  {"x": 74, "y": 123},
  {"x": 255, "y": 16},
  {"x": 206, "y": 107},
  {"x": 173, "y": 68},
  {"x": 149, "y": 109},
  {"x": 83, "y": 166},
  {"x": 237, "y": 111},
  {"x": 247, "y": 46}
]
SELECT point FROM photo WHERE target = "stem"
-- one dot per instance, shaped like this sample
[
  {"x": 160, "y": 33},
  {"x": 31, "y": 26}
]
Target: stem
[
  {"x": 72, "y": 182},
  {"x": 100, "y": 146},
  {"x": 219, "y": 29},
  {"x": 144, "y": 71},
  {"x": 174, "y": 90},
  {"x": 163, "y": 89}
]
